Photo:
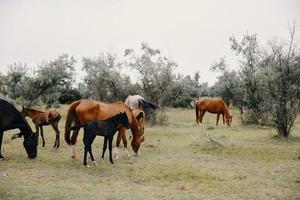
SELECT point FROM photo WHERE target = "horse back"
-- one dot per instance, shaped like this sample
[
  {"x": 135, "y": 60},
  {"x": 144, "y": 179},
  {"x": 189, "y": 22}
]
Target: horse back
[
  {"x": 89, "y": 110},
  {"x": 215, "y": 105}
]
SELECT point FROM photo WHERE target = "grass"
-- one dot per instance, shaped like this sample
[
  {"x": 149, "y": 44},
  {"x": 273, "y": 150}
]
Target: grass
[{"x": 177, "y": 161}]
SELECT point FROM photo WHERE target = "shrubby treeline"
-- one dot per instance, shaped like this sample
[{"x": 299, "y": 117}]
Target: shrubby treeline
[
  {"x": 267, "y": 85},
  {"x": 265, "y": 88}
]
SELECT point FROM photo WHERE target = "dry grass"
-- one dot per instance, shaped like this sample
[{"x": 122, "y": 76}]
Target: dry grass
[{"x": 176, "y": 161}]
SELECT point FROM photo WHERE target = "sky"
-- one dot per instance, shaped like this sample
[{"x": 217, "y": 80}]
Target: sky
[{"x": 193, "y": 33}]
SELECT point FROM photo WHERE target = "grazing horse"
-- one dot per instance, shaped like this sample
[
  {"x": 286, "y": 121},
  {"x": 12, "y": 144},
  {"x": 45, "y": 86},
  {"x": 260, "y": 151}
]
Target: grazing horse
[
  {"x": 85, "y": 110},
  {"x": 40, "y": 119},
  {"x": 106, "y": 128},
  {"x": 11, "y": 118},
  {"x": 140, "y": 117},
  {"x": 213, "y": 105},
  {"x": 138, "y": 102}
]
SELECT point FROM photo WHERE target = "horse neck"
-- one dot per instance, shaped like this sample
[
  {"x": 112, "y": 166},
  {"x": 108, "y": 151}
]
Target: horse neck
[
  {"x": 134, "y": 126},
  {"x": 115, "y": 121},
  {"x": 26, "y": 130},
  {"x": 226, "y": 112},
  {"x": 29, "y": 112}
]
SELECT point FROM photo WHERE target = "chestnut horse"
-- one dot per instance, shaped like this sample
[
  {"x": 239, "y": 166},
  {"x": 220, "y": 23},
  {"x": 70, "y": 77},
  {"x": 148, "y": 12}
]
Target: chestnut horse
[
  {"x": 140, "y": 117},
  {"x": 213, "y": 105},
  {"x": 40, "y": 119},
  {"x": 85, "y": 110}
]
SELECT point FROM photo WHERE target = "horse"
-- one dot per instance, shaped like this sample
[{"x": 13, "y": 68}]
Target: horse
[
  {"x": 213, "y": 105},
  {"x": 40, "y": 119},
  {"x": 140, "y": 117},
  {"x": 85, "y": 110},
  {"x": 138, "y": 102},
  {"x": 106, "y": 128},
  {"x": 11, "y": 118}
]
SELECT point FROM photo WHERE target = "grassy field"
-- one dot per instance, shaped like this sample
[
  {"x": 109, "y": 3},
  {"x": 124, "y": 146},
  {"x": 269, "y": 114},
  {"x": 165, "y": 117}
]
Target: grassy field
[{"x": 177, "y": 161}]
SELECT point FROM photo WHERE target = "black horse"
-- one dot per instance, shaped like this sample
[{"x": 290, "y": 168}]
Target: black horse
[
  {"x": 11, "y": 118},
  {"x": 106, "y": 128}
]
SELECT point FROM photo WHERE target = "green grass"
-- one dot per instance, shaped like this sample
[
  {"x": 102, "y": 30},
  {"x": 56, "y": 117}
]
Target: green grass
[{"x": 177, "y": 161}]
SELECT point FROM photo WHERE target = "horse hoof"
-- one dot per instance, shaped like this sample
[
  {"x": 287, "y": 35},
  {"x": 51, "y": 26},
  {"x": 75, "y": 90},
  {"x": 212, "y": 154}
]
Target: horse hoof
[
  {"x": 95, "y": 163},
  {"x": 2, "y": 159},
  {"x": 87, "y": 166},
  {"x": 135, "y": 155},
  {"x": 73, "y": 157},
  {"x": 117, "y": 157}
]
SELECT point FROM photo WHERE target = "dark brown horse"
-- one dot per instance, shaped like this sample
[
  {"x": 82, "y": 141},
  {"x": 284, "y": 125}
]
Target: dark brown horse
[
  {"x": 11, "y": 118},
  {"x": 83, "y": 111},
  {"x": 107, "y": 129},
  {"x": 40, "y": 119},
  {"x": 213, "y": 105}
]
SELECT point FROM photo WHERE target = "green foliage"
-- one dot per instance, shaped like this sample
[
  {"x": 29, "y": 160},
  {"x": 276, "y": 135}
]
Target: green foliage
[
  {"x": 158, "y": 80},
  {"x": 46, "y": 83},
  {"x": 155, "y": 73},
  {"x": 266, "y": 89},
  {"x": 103, "y": 79},
  {"x": 69, "y": 95},
  {"x": 282, "y": 75},
  {"x": 250, "y": 53}
]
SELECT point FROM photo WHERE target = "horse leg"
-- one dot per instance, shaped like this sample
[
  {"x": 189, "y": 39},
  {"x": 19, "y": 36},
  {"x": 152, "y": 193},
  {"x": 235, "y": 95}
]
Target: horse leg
[
  {"x": 218, "y": 116},
  {"x": 201, "y": 115},
  {"x": 223, "y": 118},
  {"x": 110, "y": 149},
  {"x": 1, "y": 138},
  {"x": 118, "y": 144},
  {"x": 86, "y": 149},
  {"x": 37, "y": 133},
  {"x": 104, "y": 147},
  {"x": 55, "y": 127},
  {"x": 42, "y": 135},
  {"x": 84, "y": 156},
  {"x": 91, "y": 140},
  {"x": 125, "y": 142},
  {"x": 73, "y": 139}
]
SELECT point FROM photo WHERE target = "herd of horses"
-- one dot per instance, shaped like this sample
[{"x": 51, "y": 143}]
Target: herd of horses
[{"x": 96, "y": 118}]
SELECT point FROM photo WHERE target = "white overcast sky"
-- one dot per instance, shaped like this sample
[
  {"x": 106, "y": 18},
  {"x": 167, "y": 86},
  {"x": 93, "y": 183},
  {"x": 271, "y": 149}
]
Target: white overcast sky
[{"x": 194, "y": 33}]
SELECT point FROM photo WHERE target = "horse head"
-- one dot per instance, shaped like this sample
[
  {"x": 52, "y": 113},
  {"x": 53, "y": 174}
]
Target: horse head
[
  {"x": 229, "y": 120},
  {"x": 30, "y": 144}
]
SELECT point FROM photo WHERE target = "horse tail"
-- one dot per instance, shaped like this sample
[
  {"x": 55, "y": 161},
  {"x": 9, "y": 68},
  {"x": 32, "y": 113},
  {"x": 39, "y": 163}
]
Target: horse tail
[
  {"x": 71, "y": 116},
  {"x": 146, "y": 104},
  {"x": 197, "y": 112}
]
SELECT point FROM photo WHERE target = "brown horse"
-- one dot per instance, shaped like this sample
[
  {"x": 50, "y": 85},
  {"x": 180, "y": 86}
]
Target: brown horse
[
  {"x": 40, "y": 119},
  {"x": 82, "y": 111},
  {"x": 213, "y": 105},
  {"x": 140, "y": 117}
]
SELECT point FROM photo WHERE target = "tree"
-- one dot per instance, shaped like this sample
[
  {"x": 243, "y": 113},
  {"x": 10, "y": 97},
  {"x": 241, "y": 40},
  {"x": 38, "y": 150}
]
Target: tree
[
  {"x": 229, "y": 86},
  {"x": 103, "y": 79},
  {"x": 155, "y": 73},
  {"x": 45, "y": 83},
  {"x": 283, "y": 75},
  {"x": 251, "y": 57}
]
